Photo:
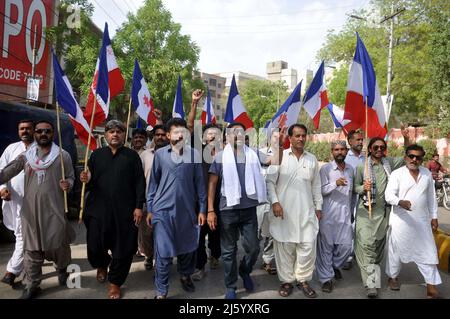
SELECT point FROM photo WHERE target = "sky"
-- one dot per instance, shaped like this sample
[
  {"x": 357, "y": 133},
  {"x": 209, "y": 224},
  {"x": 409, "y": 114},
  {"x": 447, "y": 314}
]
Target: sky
[{"x": 243, "y": 35}]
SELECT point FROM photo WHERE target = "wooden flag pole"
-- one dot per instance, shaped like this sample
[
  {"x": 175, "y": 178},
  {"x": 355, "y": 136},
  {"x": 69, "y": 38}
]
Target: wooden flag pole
[
  {"x": 83, "y": 188},
  {"x": 63, "y": 174},
  {"x": 366, "y": 169},
  {"x": 128, "y": 121}
]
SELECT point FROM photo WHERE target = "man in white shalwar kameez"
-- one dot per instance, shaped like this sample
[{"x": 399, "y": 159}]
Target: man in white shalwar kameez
[
  {"x": 12, "y": 195},
  {"x": 296, "y": 198},
  {"x": 411, "y": 191}
]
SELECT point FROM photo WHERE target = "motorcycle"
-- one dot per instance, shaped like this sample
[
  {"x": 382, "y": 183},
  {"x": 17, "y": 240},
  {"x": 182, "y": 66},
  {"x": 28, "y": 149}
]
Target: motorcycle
[{"x": 443, "y": 192}]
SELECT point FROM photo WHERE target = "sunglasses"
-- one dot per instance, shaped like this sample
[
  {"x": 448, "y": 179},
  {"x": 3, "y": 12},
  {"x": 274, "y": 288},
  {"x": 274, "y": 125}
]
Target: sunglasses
[
  {"x": 44, "y": 131},
  {"x": 379, "y": 147},
  {"x": 412, "y": 156}
]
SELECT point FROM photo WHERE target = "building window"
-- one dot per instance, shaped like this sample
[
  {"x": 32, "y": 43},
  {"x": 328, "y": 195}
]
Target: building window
[
  {"x": 219, "y": 85},
  {"x": 213, "y": 93},
  {"x": 213, "y": 82},
  {"x": 219, "y": 96}
]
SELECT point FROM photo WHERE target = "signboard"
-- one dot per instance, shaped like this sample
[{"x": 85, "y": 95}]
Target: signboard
[
  {"x": 33, "y": 89},
  {"x": 18, "y": 20}
]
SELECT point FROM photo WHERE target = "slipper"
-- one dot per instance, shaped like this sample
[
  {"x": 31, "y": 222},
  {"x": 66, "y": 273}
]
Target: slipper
[
  {"x": 306, "y": 289},
  {"x": 269, "y": 269},
  {"x": 285, "y": 289}
]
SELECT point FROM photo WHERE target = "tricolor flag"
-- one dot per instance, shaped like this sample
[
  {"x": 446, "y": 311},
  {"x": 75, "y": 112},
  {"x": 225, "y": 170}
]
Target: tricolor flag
[
  {"x": 316, "y": 97},
  {"x": 141, "y": 99},
  {"x": 114, "y": 79},
  {"x": 236, "y": 111},
  {"x": 66, "y": 99},
  {"x": 288, "y": 113},
  {"x": 178, "y": 111},
  {"x": 208, "y": 116},
  {"x": 337, "y": 115},
  {"x": 362, "y": 90}
]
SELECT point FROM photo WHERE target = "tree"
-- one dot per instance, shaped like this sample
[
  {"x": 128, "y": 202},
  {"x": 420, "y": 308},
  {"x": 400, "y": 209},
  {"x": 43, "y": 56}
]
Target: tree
[
  {"x": 163, "y": 52},
  {"x": 78, "y": 46},
  {"x": 412, "y": 67},
  {"x": 263, "y": 99}
]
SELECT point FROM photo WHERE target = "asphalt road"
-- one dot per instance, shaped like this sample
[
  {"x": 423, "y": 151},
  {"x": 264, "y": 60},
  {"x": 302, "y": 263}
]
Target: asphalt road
[{"x": 139, "y": 284}]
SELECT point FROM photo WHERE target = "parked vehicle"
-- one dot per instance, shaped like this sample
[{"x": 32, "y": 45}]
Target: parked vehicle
[{"x": 443, "y": 192}]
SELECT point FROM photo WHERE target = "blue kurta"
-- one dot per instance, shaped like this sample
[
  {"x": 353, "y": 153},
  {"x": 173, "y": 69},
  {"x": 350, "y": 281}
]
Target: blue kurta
[{"x": 176, "y": 184}]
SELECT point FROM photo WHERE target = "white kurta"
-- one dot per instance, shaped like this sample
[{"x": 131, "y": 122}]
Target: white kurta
[
  {"x": 411, "y": 235},
  {"x": 295, "y": 184},
  {"x": 11, "y": 209}
]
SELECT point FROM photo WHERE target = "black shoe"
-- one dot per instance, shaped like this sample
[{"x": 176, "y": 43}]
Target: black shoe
[
  {"x": 9, "y": 278},
  {"x": 63, "y": 275},
  {"x": 327, "y": 286},
  {"x": 187, "y": 284},
  {"x": 30, "y": 293},
  {"x": 337, "y": 274}
]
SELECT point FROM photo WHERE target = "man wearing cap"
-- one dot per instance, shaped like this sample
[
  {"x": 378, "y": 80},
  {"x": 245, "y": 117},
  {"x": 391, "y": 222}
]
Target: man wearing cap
[
  {"x": 116, "y": 186},
  {"x": 334, "y": 241}
]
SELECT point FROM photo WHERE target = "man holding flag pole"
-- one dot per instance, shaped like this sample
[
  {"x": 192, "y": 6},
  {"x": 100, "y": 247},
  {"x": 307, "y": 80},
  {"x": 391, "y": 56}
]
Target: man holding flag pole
[{"x": 365, "y": 110}]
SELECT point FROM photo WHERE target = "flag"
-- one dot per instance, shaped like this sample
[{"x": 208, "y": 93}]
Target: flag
[
  {"x": 362, "y": 88},
  {"x": 178, "y": 111},
  {"x": 208, "y": 116},
  {"x": 288, "y": 113},
  {"x": 236, "y": 111},
  {"x": 66, "y": 99},
  {"x": 316, "y": 97},
  {"x": 141, "y": 99},
  {"x": 337, "y": 115},
  {"x": 114, "y": 81}
]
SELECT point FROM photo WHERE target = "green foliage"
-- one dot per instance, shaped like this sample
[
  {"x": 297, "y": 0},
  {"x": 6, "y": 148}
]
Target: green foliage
[
  {"x": 321, "y": 150},
  {"x": 430, "y": 148},
  {"x": 163, "y": 52},
  {"x": 262, "y": 99},
  {"x": 395, "y": 150},
  {"x": 413, "y": 55}
]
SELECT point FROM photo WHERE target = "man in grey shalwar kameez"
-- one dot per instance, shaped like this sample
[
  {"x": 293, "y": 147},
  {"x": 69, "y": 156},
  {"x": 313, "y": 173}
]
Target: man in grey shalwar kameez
[
  {"x": 46, "y": 231},
  {"x": 334, "y": 243},
  {"x": 176, "y": 183}
]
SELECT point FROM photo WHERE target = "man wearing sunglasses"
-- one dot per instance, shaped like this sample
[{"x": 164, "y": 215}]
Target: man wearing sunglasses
[
  {"x": 410, "y": 191},
  {"x": 46, "y": 231},
  {"x": 370, "y": 232}
]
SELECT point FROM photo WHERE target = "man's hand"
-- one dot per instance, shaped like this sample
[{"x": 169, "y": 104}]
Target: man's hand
[
  {"x": 138, "y": 214},
  {"x": 278, "y": 210},
  {"x": 196, "y": 96},
  {"x": 149, "y": 219},
  {"x": 434, "y": 224},
  {"x": 341, "y": 182},
  {"x": 212, "y": 220},
  {"x": 405, "y": 204},
  {"x": 5, "y": 195},
  {"x": 85, "y": 177},
  {"x": 367, "y": 186},
  {"x": 319, "y": 214},
  {"x": 405, "y": 133},
  {"x": 201, "y": 219},
  {"x": 65, "y": 186}
]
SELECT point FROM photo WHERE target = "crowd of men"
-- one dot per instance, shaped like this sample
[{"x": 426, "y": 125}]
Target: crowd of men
[{"x": 162, "y": 199}]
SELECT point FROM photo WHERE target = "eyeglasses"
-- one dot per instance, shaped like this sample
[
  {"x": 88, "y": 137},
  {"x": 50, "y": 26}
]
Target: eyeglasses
[
  {"x": 44, "y": 131},
  {"x": 379, "y": 147},
  {"x": 412, "y": 156}
]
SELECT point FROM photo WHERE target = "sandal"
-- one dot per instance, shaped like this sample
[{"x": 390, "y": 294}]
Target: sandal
[
  {"x": 306, "y": 289},
  {"x": 114, "y": 292},
  {"x": 269, "y": 269},
  {"x": 285, "y": 289}
]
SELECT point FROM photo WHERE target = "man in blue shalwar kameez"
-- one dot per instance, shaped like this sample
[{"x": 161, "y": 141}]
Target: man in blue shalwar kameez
[{"x": 176, "y": 183}]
